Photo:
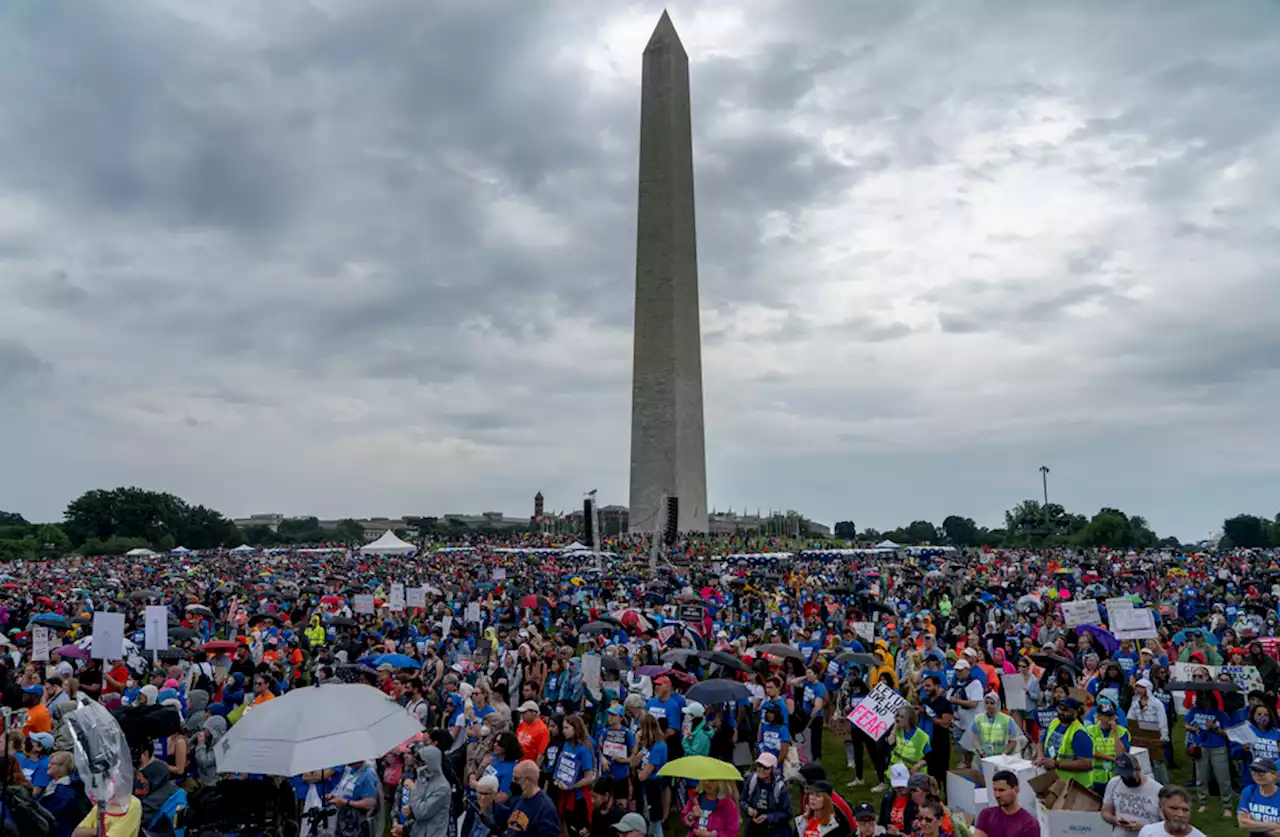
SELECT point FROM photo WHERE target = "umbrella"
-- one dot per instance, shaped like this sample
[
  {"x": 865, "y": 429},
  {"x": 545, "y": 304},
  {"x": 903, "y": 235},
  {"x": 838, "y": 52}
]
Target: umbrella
[
  {"x": 50, "y": 620},
  {"x": 1053, "y": 660},
  {"x": 720, "y": 658},
  {"x": 710, "y": 692},
  {"x": 171, "y": 654},
  {"x": 354, "y": 673},
  {"x": 535, "y": 601},
  {"x": 597, "y": 627},
  {"x": 777, "y": 649},
  {"x": 678, "y": 655},
  {"x": 398, "y": 661},
  {"x": 1204, "y": 686},
  {"x": 610, "y": 663},
  {"x": 220, "y": 645},
  {"x": 633, "y": 619},
  {"x": 183, "y": 633},
  {"x": 263, "y": 617},
  {"x": 82, "y": 620},
  {"x": 701, "y": 769},
  {"x": 343, "y": 622},
  {"x": 1103, "y": 637},
  {"x": 315, "y": 728},
  {"x": 652, "y": 671},
  {"x": 1181, "y": 637},
  {"x": 74, "y": 652},
  {"x": 143, "y": 595},
  {"x": 854, "y": 658},
  {"x": 201, "y": 610}
]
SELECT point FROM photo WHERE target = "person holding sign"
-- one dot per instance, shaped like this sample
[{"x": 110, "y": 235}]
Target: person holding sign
[
  {"x": 572, "y": 775},
  {"x": 911, "y": 744}
]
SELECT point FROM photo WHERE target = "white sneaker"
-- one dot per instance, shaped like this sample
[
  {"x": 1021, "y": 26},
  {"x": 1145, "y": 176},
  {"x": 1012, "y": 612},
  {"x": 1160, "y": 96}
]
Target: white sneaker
[
  {"x": 854, "y": 783},
  {"x": 880, "y": 788}
]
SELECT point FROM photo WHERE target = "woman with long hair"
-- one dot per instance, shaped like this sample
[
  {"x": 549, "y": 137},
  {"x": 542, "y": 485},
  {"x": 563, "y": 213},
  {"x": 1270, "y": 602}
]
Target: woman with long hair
[
  {"x": 818, "y": 817},
  {"x": 712, "y": 810},
  {"x": 651, "y": 754},
  {"x": 572, "y": 774},
  {"x": 1206, "y": 725}
]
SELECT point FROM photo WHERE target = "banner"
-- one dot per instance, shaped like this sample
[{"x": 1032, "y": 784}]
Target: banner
[
  {"x": 874, "y": 714},
  {"x": 416, "y": 597},
  {"x": 1247, "y": 677},
  {"x": 1135, "y": 623},
  {"x": 363, "y": 603},
  {"x": 1084, "y": 612},
  {"x": 1117, "y": 604},
  {"x": 40, "y": 644}
]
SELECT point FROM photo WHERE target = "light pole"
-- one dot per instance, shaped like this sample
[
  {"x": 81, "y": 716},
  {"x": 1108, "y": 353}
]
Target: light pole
[{"x": 1044, "y": 481}]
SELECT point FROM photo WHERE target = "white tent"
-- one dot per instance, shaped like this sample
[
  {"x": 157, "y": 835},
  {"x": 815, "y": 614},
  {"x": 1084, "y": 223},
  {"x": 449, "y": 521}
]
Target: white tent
[
  {"x": 179, "y": 550},
  {"x": 244, "y": 547},
  {"x": 140, "y": 552},
  {"x": 886, "y": 545},
  {"x": 388, "y": 544},
  {"x": 576, "y": 547}
]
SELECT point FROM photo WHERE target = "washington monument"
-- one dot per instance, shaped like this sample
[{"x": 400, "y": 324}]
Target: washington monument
[{"x": 668, "y": 448}]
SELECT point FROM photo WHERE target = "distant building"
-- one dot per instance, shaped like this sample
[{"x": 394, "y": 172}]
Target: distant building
[
  {"x": 486, "y": 520},
  {"x": 271, "y": 521},
  {"x": 537, "y": 507},
  {"x": 614, "y": 520}
]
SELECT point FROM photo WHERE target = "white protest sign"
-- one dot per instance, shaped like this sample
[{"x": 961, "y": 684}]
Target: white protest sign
[
  {"x": 1015, "y": 692},
  {"x": 416, "y": 597},
  {"x": 396, "y": 602},
  {"x": 1134, "y": 623},
  {"x": 1118, "y": 603},
  {"x": 499, "y": 574},
  {"x": 1247, "y": 677},
  {"x": 40, "y": 644},
  {"x": 866, "y": 631},
  {"x": 473, "y": 612},
  {"x": 874, "y": 714},
  {"x": 363, "y": 603},
  {"x": 446, "y": 624},
  {"x": 1084, "y": 612},
  {"x": 591, "y": 674},
  {"x": 108, "y": 636},
  {"x": 156, "y": 623}
]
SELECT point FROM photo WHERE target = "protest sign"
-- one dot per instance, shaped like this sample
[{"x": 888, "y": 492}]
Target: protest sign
[
  {"x": 499, "y": 574},
  {"x": 866, "y": 631},
  {"x": 1247, "y": 677},
  {"x": 1134, "y": 623},
  {"x": 108, "y": 636},
  {"x": 156, "y": 624},
  {"x": 1015, "y": 692},
  {"x": 40, "y": 644},
  {"x": 396, "y": 602},
  {"x": 693, "y": 614},
  {"x": 874, "y": 713},
  {"x": 1117, "y": 604},
  {"x": 592, "y": 674},
  {"x": 473, "y": 612},
  {"x": 363, "y": 603},
  {"x": 1083, "y": 612},
  {"x": 446, "y": 625},
  {"x": 416, "y": 597},
  {"x": 480, "y": 659}
]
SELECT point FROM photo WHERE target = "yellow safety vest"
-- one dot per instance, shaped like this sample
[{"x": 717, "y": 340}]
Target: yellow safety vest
[
  {"x": 1105, "y": 745},
  {"x": 1065, "y": 752},
  {"x": 909, "y": 751},
  {"x": 993, "y": 733}
]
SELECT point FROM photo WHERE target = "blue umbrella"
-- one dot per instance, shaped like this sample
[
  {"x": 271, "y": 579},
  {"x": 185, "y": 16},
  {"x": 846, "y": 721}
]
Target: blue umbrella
[
  {"x": 1181, "y": 636},
  {"x": 50, "y": 620},
  {"x": 712, "y": 692},
  {"x": 1103, "y": 637},
  {"x": 396, "y": 661}
]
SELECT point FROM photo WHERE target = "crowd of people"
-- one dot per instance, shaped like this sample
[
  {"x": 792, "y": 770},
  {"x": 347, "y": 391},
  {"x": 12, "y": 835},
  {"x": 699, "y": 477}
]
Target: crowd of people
[{"x": 561, "y": 692}]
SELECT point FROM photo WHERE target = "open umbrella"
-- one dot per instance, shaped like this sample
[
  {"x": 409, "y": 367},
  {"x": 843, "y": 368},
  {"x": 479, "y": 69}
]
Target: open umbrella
[
  {"x": 710, "y": 692},
  {"x": 1102, "y": 636},
  {"x": 74, "y": 652},
  {"x": 678, "y": 655},
  {"x": 533, "y": 600},
  {"x": 314, "y": 728},
  {"x": 778, "y": 649},
  {"x": 50, "y": 620},
  {"x": 597, "y": 627},
  {"x": 220, "y": 645},
  {"x": 403, "y": 661},
  {"x": 200, "y": 610},
  {"x": 610, "y": 663},
  {"x": 343, "y": 622},
  {"x": 853, "y": 658},
  {"x": 700, "y": 769},
  {"x": 721, "y": 658},
  {"x": 1204, "y": 686},
  {"x": 143, "y": 595}
]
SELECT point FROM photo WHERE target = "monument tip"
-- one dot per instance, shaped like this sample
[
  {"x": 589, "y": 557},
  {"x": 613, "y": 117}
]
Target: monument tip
[{"x": 664, "y": 35}]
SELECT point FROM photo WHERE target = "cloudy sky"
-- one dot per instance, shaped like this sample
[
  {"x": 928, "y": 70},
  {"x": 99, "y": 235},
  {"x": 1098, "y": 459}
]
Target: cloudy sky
[{"x": 354, "y": 257}]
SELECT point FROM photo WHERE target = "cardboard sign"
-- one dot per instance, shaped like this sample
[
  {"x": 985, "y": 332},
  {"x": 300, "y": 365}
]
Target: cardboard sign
[
  {"x": 108, "y": 636},
  {"x": 1247, "y": 677},
  {"x": 473, "y": 612},
  {"x": 874, "y": 714},
  {"x": 41, "y": 644},
  {"x": 499, "y": 574},
  {"x": 1015, "y": 692},
  {"x": 592, "y": 674},
  {"x": 1084, "y": 612},
  {"x": 446, "y": 625},
  {"x": 416, "y": 597},
  {"x": 363, "y": 603},
  {"x": 693, "y": 614},
  {"x": 156, "y": 624},
  {"x": 1135, "y": 623},
  {"x": 1115, "y": 605},
  {"x": 396, "y": 602}
]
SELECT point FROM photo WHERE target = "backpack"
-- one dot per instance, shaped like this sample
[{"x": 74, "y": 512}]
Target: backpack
[{"x": 32, "y": 819}]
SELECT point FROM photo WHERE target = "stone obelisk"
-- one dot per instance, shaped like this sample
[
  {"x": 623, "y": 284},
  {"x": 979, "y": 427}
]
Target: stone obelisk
[{"x": 668, "y": 448}]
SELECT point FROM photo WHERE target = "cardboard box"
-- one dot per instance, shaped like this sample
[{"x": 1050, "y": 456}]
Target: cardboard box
[
  {"x": 967, "y": 791},
  {"x": 1143, "y": 757},
  {"x": 1149, "y": 739},
  {"x": 1067, "y": 808},
  {"x": 1020, "y": 767}
]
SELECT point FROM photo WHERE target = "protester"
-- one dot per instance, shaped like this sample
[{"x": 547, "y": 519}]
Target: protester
[
  {"x": 1175, "y": 814},
  {"x": 1131, "y": 800},
  {"x": 1007, "y": 818}
]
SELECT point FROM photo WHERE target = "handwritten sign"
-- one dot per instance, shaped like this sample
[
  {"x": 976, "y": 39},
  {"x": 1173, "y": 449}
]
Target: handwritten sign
[
  {"x": 874, "y": 714},
  {"x": 1083, "y": 612},
  {"x": 1247, "y": 677},
  {"x": 363, "y": 602},
  {"x": 40, "y": 644},
  {"x": 396, "y": 602},
  {"x": 416, "y": 597},
  {"x": 156, "y": 624},
  {"x": 1134, "y": 623},
  {"x": 1115, "y": 605}
]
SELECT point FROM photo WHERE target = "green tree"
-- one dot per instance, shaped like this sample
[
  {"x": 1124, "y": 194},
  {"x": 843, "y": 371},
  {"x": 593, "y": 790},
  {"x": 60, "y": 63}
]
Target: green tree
[
  {"x": 153, "y": 517},
  {"x": 348, "y": 531},
  {"x": 1248, "y": 531},
  {"x": 845, "y": 530},
  {"x": 259, "y": 535},
  {"x": 921, "y": 532},
  {"x": 12, "y": 519},
  {"x": 961, "y": 531},
  {"x": 300, "y": 530}
]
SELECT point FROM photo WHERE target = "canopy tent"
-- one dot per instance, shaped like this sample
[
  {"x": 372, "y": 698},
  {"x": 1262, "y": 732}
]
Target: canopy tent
[
  {"x": 388, "y": 544},
  {"x": 244, "y": 547},
  {"x": 886, "y": 544},
  {"x": 576, "y": 547},
  {"x": 140, "y": 552},
  {"x": 179, "y": 550}
]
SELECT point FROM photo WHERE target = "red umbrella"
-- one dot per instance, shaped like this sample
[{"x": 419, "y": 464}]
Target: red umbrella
[
  {"x": 534, "y": 600},
  {"x": 220, "y": 645}
]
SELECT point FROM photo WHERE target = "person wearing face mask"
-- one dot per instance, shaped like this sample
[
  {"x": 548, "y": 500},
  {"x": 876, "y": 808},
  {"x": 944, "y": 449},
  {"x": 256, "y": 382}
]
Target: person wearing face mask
[
  {"x": 429, "y": 796},
  {"x": 1262, "y": 724},
  {"x": 1131, "y": 799},
  {"x": 533, "y": 814}
]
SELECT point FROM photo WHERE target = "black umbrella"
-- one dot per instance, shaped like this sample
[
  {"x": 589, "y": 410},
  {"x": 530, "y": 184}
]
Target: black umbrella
[
  {"x": 597, "y": 627},
  {"x": 1204, "y": 686},
  {"x": 1053, "y": 661},
  {"x": 611, "y": 663},
  {"x": 82, "y": 620},
  {"x": 343, "y": 622},
  {"x": 143, "y": 595},
  {"x": 355, "y": 673},
  {"x": 678, "y": 655},
  {"x": 854, "y": 658},
  {"x": 201, "y": 610},
  {"x": 183, "y": 633},
  {"x": 777, "y": 649},
  {"x": 720, "y": 658},
  {"x": 711, "y": 692},
  {"x": 264, "y": 617},
  {"x": 171, "y": 654}
]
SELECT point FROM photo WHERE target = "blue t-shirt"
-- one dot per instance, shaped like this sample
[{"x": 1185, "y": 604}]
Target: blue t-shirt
[
  {"x": 572, "y": 762},
  {"x": 772, "y": 737},
  {"x": 1081, "y": 743},
  {"x": 617, "y": 744},
  {"x": 534, "y": 815},
  {"x": 657, "y": 756},
  {"x": 666, "y": 711},
  {"x": 1203, "y": 718},
  {"x": 812, "y": 692},
  {"x": 502, "y": 770},
  {"x": 1261, "y": 808},
  {"x": 36, "y": 770},
  {"x": 1266, "y": 747}
]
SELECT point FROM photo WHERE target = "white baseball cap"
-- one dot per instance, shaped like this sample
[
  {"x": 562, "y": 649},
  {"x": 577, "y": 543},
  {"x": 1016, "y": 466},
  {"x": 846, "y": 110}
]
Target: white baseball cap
[{"x": 899, "y": 775}]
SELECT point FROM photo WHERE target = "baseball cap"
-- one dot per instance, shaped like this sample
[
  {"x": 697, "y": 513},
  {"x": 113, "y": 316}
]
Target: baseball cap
[
  {"x": 45, "y": 740},
  {"x": 1144, "y": 683},
  {"x": 767, "y": 760},
  {"x": 631, "y": 822},
  {"x": 961, "y": 664},
  {"x": 695, "y": 709},
  {"x": 919, "y": 781},
  {"x": 864, "y": 811},
  {"x": 1068, "y": 703},
  {"x": 530, "y": 706},
  {"x": 969, "y": 652},
  {"x": 1106, "y": 709},
  {"x": 662, "y": 678},
  {"x": 899, "y": 776},
  {"x": 1124, "y": 765},
  {"x": 33, "y": 690},
  {"x": 1263, "y": 765},
  {"x": 617, "y": 710}
]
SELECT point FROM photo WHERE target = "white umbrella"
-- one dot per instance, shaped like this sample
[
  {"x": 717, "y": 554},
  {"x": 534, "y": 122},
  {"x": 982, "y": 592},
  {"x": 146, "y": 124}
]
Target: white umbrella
[{"x": 314, "y": 728}]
